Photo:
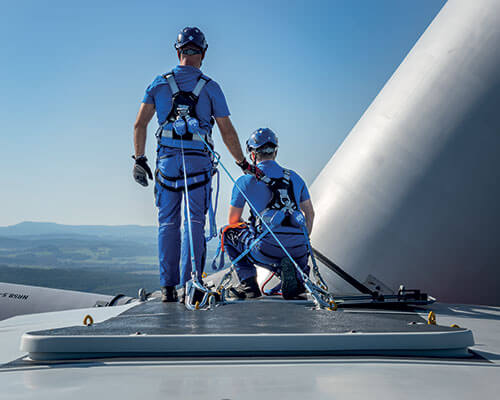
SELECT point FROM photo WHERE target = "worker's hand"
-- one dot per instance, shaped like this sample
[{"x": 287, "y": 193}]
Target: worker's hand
[
  {"x": 250, "y": 169},
  {"x": 141, "y": 170}
]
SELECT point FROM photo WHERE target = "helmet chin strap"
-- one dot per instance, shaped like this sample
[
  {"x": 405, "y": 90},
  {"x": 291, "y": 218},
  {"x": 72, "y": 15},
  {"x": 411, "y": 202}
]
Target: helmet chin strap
[{"x": 253, "y": 156}]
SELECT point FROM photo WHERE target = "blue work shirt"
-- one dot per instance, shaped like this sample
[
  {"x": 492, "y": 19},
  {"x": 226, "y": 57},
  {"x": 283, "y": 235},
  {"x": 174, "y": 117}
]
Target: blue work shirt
[
  {"x": 210, "y": 103},
  {"x": 258, "y": 192}
]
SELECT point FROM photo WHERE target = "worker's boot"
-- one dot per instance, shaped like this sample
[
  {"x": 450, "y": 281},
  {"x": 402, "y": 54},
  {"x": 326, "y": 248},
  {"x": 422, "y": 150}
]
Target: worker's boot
[
  {"x": 246, "y": 289},
  {"x": 168, "y": 294},
  {"x": 181, "y": 294},
  {"x": 291, "y": 286}
]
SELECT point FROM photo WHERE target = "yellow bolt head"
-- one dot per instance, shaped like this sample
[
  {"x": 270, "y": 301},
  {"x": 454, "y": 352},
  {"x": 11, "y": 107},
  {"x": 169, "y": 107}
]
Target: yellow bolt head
[{"x": 431, "y": 318}]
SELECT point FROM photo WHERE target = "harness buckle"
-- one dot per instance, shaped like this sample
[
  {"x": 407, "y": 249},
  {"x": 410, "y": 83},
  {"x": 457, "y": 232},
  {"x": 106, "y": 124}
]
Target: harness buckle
[{"x": 183, "y": 110}]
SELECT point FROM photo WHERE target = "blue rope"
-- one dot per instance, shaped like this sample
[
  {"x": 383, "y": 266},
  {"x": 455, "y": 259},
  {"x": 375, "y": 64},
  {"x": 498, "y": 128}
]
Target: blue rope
[
  {"x": 218, "y": 253},
  {"x": 211, "y": 210},
  {"x": 309, "y": 247},
  {"x": 194, "y": 272},
  {"x": 313, "y": 258},
  {"x": 217, "y": 196}
]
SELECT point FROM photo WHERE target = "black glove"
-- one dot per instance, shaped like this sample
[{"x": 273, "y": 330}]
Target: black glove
[
  {"x": 141, "y": 170},
  {"x": 250, "y": 169}
]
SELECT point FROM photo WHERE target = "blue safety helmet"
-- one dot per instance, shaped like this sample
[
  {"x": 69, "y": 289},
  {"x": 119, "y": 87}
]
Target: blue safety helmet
[
  {"x": 191, "y": 35},
  {"x": 260, "y": 138}
]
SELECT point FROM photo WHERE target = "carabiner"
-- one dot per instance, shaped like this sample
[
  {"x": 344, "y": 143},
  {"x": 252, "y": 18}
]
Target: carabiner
[{"x": 206, "y": 301}]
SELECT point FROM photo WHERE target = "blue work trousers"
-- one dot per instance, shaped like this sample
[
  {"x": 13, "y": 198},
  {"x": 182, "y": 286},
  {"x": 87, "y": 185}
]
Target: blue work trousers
[
  {"x": 169, "y": 192},
  {"x": 267, "y": 253}
]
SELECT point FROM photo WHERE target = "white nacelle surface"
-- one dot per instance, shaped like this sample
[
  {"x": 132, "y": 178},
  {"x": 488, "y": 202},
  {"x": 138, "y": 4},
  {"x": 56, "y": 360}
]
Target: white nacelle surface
[
  {"x": 249, "y": 378},
  {"x": 24, "y": 299}
]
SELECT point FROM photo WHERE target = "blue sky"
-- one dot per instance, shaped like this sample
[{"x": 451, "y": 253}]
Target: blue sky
[{"x": 72, "y": 76}]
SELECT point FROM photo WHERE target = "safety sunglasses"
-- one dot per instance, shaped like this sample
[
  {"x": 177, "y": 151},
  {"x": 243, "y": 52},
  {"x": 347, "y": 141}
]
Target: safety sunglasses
[{"x": 190, "y": 51}]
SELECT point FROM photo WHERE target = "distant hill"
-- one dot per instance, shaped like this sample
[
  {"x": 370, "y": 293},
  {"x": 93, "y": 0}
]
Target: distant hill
[
  {"x": 90, "y": 280},
  {"x": 58, "y": 230},
  {"x": 93, "y": 258},
  {"x": 50, "y": 245}
]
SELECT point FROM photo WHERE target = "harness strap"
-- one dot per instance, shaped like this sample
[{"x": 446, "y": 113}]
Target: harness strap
[
  {"x": 175, "y": 179},
  {"x": 265, "y": 179},
  {"x": 177, "y": 184},
  {"x": 172, "y": 83},
  {"x": 286, "y": 177},
  {"x": 168, "y": 134},
  {"x": 181, "y": 188},
  {"x": 174, "y": 88},
  {"x": 202, "y": 81}
]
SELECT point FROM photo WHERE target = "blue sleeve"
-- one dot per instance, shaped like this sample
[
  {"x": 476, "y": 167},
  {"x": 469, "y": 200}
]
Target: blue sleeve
[
  {"x": 303, "y": 191},
  {"x": 148, "y": 96},
  {"x": 304, "y": 195},
  {"x": 237, "y": 199},
  {"x": 219, "y": 104}
]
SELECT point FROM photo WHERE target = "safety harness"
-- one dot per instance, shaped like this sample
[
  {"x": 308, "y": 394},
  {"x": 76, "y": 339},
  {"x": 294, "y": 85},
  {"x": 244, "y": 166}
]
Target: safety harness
[
  {"x": 183, "y": 105},
  {"x": 282, "y": 209}
]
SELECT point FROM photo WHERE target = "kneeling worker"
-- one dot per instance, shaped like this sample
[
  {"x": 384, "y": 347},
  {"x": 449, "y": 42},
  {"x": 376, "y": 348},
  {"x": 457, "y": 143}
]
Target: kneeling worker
[{"x": 282, "y": 199}]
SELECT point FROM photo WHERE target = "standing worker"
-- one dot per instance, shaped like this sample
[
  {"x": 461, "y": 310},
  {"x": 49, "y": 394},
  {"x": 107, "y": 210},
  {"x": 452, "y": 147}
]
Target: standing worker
[{"x": 184, "y": 94}]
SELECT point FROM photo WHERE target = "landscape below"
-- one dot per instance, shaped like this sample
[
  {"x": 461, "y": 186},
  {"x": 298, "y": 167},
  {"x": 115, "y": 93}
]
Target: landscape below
[{"x": 98, "y": 259}]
